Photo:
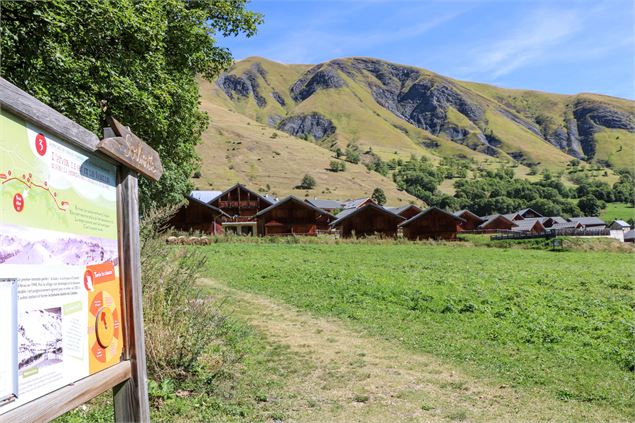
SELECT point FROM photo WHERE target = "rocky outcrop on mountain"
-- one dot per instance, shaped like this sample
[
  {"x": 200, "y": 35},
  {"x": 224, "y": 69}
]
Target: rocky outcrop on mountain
[
  {"x": 317, "y": 78},
  {"x": 591, "y": 116},
  {"x": 308, "y": 125},
  {"x": 520, "y": 121},
  {"x": 245, "y": 85},
  {"x": 276, "y": 95}
]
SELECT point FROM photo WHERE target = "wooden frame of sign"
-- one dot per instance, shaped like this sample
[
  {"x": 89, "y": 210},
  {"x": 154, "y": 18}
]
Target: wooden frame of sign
[{"x": 127, "y": 378}]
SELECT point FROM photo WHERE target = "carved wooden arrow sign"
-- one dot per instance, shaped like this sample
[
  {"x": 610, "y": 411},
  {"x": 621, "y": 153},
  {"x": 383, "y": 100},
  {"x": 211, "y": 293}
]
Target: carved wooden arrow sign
[{"x": 129, "y": 149}]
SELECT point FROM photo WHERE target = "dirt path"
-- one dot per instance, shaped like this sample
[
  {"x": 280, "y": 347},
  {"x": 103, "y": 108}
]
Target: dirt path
[{"x": 348, "y": 377}]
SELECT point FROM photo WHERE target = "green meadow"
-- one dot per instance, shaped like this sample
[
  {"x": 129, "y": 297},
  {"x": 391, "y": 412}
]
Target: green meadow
[{"x": 559, "y": 322}]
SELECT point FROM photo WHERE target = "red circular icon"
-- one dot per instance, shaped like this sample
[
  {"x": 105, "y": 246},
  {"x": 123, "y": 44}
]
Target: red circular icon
[
  {"x": 89, "y": 278},
  {"x": 18, "y": 202},
  {"x": 40, "y": 144}
]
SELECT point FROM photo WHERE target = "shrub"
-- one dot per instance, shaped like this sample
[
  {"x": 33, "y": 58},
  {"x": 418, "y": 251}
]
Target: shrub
[
  {"x": 179, "y": 322},
  {"x": 379, "y": 196},
  {"x": 337, "y": 166},
  {"x": 308, "y": 182}
]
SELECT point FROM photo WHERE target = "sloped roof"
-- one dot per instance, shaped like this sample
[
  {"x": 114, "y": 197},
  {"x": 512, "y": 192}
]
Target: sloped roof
[
  {"x": 294, "y": 199},
  {"x": 523, "y": 211},
  {"x": 630, "y": 234},
  {"x": 526, "y": 224},
  {"x": 428, "y": 210},
  {"x": 496, "y": 216},
  {"x": 401, "y": 209},
  {"x": 353, "y": 204},
  {"x": 563, "y": 225},
  {"x": 621, "y": 223},
  {"x": 348, "y": 213},
  {"x": 324, "y": 204},
  {"x": 209, "y": 206},
  {"x": 239, "y": 185},
  {"x": 508, "y": 216},
  {"x": 460, "y": 214},
  {"x": 205, "y": 196},
  {"x": 586, "y": 221}
]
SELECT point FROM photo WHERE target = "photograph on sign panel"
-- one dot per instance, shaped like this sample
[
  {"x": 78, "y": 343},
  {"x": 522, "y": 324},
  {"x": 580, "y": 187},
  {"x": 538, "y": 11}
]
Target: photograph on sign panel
[
  {"x": 23, "y": 245},
  {"x": 39, "y": 338}
]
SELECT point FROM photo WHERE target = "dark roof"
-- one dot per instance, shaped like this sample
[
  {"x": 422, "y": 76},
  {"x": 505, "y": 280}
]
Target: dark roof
[
  {"x": 460, "y": 214},
  {"x": 620, "y": 223},
  {"x": 239, "y": 185},
  {"x": 563, "y": 225},
  {"x": 586, "y": 221},
  {"x": 398, "y": 210},
  {"x": 496, "y": 216},
  {"x": 630, "y": 234},
  {"x": 296, "y": 200},
  {"x": 508, "y": 216},
  {"x": 324, "y": 204},
  {"x": 428, "y": 210},
  {"x": 526, "y": 224},
  {"x": 205, "y": 196},
  {"x": 209, "y": 206},
  {"x": 523, "y": 211},
  {"x": 348, "y": 213},
  {"x": 353, "y": 204}
]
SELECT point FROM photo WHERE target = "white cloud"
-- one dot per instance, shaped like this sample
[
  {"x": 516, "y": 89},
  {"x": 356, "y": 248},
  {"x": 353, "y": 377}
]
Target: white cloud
[{"x": 531, "y": 41}]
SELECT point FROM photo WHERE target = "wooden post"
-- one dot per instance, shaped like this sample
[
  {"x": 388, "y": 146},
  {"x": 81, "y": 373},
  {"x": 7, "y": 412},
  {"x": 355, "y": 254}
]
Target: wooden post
[{"x": 131, "y": 397}]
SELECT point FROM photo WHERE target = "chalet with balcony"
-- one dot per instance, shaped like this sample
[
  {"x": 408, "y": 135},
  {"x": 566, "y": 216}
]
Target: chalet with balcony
[{"x": 241, "y": 205}]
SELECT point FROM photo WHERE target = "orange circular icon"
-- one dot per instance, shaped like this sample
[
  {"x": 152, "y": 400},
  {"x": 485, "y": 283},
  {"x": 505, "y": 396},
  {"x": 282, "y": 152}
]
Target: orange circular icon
[{"x": 105, "y": 327}]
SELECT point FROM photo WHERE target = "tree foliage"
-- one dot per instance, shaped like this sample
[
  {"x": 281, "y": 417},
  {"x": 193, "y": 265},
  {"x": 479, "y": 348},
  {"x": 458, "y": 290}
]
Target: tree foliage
[
  {"x": 379, "y": 196},
  {"x": 136, "y": 61}
]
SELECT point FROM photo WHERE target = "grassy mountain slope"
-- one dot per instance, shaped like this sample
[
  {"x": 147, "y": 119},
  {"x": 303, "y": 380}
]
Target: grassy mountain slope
[
  {"x": 236, "y": 148},
  {"x": 401, "y": 110}
]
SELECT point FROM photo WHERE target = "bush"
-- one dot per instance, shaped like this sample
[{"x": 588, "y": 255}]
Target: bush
[
  {"x": 379, "y": 196},
  {"x": 179, "y": 322},
  {"x": 337, "y": 166},
  {"x": 352, "y": 155},
  {"x": 308, "y": 182}
]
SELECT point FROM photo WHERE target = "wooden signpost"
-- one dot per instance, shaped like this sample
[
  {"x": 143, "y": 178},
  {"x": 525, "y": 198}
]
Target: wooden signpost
[{"x": 70, "y": 271}]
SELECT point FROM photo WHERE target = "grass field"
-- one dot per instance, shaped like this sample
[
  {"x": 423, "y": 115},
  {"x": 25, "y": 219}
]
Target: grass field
[
  {"x": 557, "y": 322},
  {"x": 614, "y": 211}
]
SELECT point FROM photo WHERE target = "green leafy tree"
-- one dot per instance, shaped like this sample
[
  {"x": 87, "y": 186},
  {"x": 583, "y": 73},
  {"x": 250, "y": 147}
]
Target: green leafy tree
[
  {"x": 136, "y": 61},
  {"x": 590, "y": 206},
  {"x": 379, "y": 196},
  {"x": 308, "y": 182}
]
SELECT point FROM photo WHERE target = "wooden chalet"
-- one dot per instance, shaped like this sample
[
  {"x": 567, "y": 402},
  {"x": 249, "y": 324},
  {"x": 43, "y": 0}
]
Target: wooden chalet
[
  {"x": 432, "y": 223},
  {"x": 292, "y": 216},
  {"x": 241, "y": 205},
  {"x": 367, "y": 220},
  {"x": 198, "y": 216},
  {"x": 471, "y": 220},
  {"x": 496, "y": 223},
  {"x": 406, "y": 211}
]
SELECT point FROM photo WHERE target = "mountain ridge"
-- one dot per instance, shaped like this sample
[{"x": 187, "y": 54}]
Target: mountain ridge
[{"x": 393, "y": 111}]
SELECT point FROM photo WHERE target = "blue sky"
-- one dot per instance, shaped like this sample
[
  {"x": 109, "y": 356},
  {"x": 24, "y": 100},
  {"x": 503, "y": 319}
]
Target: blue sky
[{"x": 563, "y": 46}]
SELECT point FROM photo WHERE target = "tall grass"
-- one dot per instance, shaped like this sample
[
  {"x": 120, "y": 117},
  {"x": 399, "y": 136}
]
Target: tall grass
[{"x": 180, "y": 320}]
